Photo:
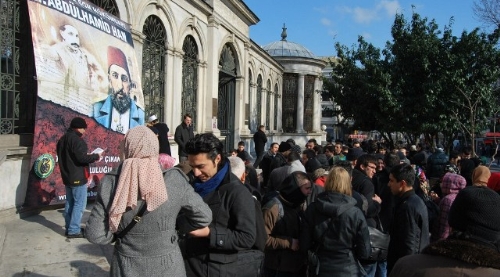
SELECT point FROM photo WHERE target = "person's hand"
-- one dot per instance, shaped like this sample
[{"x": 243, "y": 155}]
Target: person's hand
[
  {"x": 434, "y": 196},
  {"x": 101, "y": 155},
  {"x": 200, "y": 233},
  {"x": 295, "y": 244},
  {"x": 377, "y": 199}
]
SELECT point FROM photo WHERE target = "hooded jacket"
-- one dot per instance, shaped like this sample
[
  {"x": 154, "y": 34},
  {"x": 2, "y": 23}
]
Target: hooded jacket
[
  {"x": 281, "y": 230},
  {"x": 346, "y": 238},
  {"x": 450, "y": 186}
]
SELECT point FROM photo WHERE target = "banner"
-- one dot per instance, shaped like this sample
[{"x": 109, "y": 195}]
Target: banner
[{"x": 86, "y": 67}]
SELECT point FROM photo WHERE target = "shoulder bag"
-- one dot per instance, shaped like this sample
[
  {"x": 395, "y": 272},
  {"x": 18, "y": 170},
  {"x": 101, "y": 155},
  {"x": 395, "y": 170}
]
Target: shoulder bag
[{"x": 379, "y": 241}]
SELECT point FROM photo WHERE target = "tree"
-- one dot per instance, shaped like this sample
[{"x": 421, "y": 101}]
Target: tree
[
  {"x": 488, "y": 11},
  {"x": 425, "y": 81}
]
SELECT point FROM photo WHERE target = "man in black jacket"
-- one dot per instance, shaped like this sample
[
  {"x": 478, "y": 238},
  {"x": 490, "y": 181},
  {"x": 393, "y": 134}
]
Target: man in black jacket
[
  {"x": 73, "y": 160},
  {"x": 183, "y": 133},
  {"x": 260, "y": 139},
  {"x": 410, "y": 225},
  {"x": 225, "y": 246},
  {"x": 162, "y": 134}
]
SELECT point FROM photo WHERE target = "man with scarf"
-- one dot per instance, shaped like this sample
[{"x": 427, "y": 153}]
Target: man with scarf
[{"x": 217, "y": 250}]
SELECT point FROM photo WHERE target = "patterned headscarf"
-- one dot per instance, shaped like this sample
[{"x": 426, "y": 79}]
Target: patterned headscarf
[{"x": 140, "y": 175}]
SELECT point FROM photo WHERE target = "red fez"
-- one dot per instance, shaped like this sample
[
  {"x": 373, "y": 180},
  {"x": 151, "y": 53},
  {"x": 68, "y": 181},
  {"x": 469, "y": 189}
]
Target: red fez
[{"x": 116, "y": 56}]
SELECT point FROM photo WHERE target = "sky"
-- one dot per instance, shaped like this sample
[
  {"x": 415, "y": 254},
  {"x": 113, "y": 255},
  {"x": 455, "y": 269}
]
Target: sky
[{"x": 319, "y": 24}]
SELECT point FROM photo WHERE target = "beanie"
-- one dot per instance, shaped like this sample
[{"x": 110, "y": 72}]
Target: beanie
[
  {"x": 77, "y": 123},
  {"x": 354, "y": 153},
  {"x": 284, "y": 146},
  {"x": 296, "y": 148},
  {"x": 475, "y": 211}
]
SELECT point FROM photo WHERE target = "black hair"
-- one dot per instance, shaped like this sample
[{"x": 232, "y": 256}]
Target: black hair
[
  {"x": 309, "y": 153},
  {"x": 241, "y": 143},
  {"x": 404, "y": 172},
  {"x": 345, "y": 165},
  {"x": 291, "y": 141},
  {"x": 391, "y": 160},
  {"x": 318, "y": 149},
  {"x": 205, "y": 143},
  {"x": 364, "y": 160},
  {"x": 293, "y": 156}
]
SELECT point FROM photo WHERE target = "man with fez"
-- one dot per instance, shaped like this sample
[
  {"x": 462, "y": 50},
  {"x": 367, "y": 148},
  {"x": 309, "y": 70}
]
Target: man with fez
[{"x": 118, "y": 111}]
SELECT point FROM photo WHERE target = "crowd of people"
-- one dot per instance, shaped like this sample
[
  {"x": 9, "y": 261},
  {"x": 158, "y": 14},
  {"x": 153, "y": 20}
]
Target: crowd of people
[{"x": 311, "y": 212}]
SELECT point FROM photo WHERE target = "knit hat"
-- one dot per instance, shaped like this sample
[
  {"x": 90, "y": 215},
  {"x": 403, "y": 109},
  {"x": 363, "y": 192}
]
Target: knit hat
[
  {"x": 354, "y": 153},
  {"x": 475, "y": 211},
  {"x": 480, "y": 175},
  {"x": 77, "y": 123},
  {"x": 297, "y": 149},
  {"x": 284, "y": 146}
]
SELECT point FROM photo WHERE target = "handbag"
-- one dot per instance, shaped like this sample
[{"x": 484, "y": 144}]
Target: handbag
[
  {"x": 137, "y": 218},
  {"x": 379, "y": 241}
]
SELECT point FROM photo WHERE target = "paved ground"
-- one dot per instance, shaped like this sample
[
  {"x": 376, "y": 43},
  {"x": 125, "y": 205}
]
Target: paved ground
[{"x": 36, "y": 246}]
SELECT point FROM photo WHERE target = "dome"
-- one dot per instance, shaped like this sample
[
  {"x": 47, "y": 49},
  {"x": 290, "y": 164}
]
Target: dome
[{"x": 284, "y": 48}]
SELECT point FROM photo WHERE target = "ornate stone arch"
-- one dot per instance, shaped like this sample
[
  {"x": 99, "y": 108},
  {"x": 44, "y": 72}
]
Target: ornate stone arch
[{"x": 154, "y": 54}]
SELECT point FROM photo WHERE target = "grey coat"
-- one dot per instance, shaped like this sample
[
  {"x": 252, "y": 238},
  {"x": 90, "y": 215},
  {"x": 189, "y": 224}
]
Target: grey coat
[{"x": 150, "y": 248}]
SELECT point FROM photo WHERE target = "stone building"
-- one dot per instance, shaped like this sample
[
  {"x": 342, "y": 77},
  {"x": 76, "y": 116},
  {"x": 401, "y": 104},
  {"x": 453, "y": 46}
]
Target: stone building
[{"x": 196, "y": 56}]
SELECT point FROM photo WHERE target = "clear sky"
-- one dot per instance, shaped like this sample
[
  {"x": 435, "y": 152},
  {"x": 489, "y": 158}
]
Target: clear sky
[{"x": 319, "y": 24}]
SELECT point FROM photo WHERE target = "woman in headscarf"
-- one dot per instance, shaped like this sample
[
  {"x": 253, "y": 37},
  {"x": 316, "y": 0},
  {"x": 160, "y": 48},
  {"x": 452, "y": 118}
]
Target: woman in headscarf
[
  {"x": 338, "y": 229},
  {"x": 450, "y": 186},
  {"x": 480, "y": 176},
  {"x": 150, "y": 248},
  {"x": 282, "y": 218}
]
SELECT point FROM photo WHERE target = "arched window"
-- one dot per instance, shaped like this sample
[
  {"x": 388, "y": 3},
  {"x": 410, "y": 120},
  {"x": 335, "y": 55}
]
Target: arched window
[
  {"x": 258, "y": 103},
  {"x": 189, "y": 77},
  {"x": 107, "y": 5},
  {"x": 276, "y": 99},
  {"x": 289, "y": 103},
  {"x": 251, "y": 124},
  {"x": 268, "y": 104},
  {"x": 153, "y": 66},
  {"x": 17, "y": 85}
]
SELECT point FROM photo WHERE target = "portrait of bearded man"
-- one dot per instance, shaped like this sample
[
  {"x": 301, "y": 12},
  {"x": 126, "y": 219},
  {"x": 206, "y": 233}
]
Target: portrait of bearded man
[{"x": 119, "y": 110}]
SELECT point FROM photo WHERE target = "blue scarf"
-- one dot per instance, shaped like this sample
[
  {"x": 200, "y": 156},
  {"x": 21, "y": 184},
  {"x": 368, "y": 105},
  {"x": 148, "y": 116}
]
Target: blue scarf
[{"x": 204, "y": 188}]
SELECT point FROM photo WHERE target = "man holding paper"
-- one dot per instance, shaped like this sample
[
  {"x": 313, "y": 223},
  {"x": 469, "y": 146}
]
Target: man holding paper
[{"x": 74, "y": 160}]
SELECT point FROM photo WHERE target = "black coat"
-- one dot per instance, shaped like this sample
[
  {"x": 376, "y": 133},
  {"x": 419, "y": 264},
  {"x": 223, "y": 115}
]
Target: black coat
[
  {"x": 260, "y": 139},
  {"x": 346, "y": 239},
  {"x": 265, "y": 165},
  {"x": 183, "y": 133},
  {"x": 409, "y": 228},
  {"x": 73, "y": 159},
  {"x": 163, "y": 138},
  {"x": 233, "y": 229},
  {"x": 435, "y": 164},
  {"x": 362, "y": 184}
]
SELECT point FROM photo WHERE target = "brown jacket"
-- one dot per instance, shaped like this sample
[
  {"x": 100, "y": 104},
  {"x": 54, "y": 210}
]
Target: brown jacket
[
  {"x": 280, "y": 232},
  {"x": 450, "y": 257}
]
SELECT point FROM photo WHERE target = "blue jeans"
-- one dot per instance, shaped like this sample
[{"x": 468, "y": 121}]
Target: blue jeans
[
  {"x": 76, "y": 200},
  {"x": 378, "y": 269}
]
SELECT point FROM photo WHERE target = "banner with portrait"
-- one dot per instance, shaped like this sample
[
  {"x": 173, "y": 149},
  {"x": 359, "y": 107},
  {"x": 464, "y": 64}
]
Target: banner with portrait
[{"x": 85, "y": 66}]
